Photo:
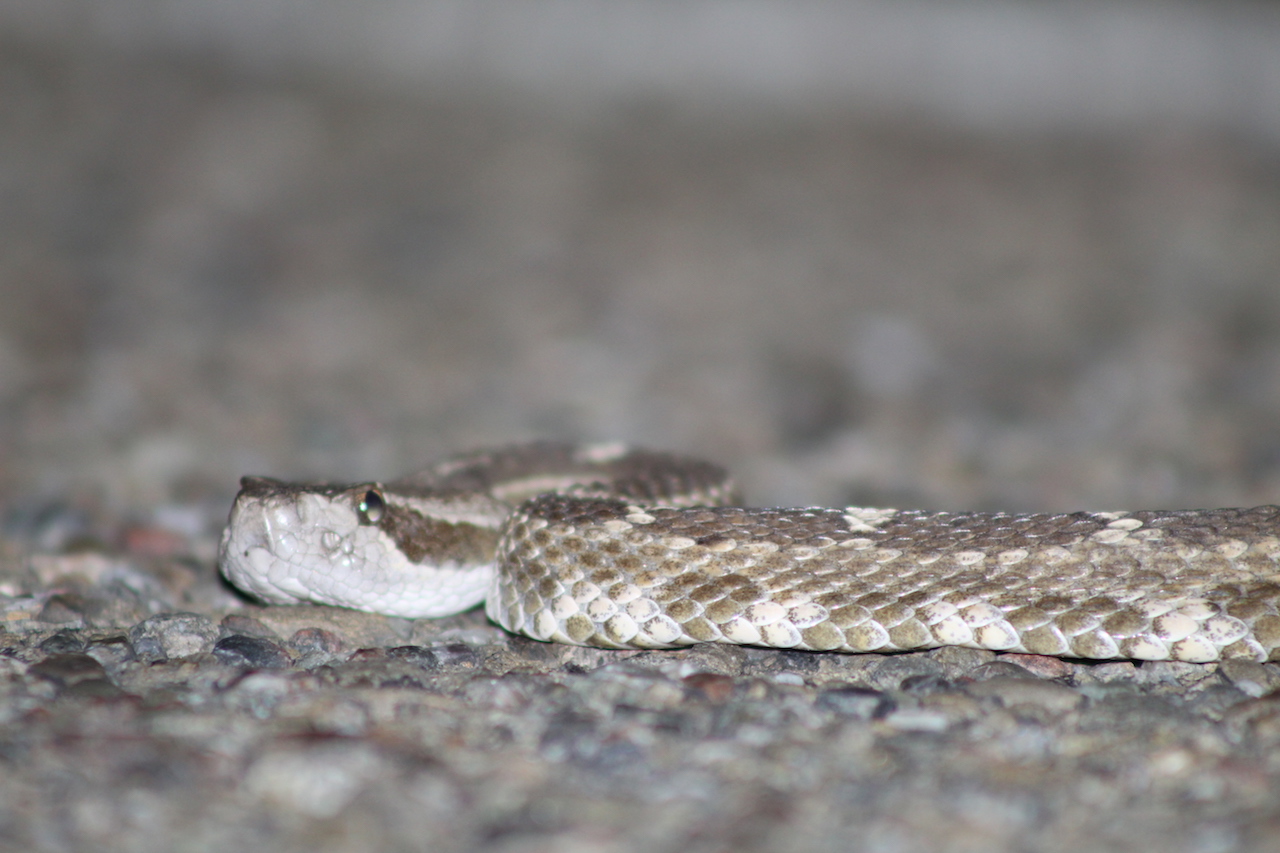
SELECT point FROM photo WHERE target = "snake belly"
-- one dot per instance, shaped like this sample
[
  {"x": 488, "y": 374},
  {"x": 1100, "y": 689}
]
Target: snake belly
[{"x": 600, "y": 545}]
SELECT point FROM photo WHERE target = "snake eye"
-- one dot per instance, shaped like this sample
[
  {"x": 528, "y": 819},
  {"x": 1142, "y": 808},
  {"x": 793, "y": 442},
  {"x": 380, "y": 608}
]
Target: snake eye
[{"x": 371, "y": 507}]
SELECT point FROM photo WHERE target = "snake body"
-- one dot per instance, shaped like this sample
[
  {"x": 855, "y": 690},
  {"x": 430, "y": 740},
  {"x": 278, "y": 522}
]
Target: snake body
[{"x": 604, "y": 546}]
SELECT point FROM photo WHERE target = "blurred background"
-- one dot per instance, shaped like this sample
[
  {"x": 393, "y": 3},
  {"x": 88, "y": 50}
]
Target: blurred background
[{"x": 947, "y": 255}]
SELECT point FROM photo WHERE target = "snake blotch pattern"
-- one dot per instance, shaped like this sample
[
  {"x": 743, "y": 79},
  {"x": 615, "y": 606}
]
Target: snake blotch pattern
[{"x": 1191, "y": 585}]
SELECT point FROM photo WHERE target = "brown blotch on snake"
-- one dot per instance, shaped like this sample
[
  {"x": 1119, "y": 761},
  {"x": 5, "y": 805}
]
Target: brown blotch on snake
[{"x": 422, "y": 538}]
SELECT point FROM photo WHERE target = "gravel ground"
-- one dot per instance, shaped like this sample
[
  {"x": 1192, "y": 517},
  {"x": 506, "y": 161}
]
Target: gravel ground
[{"x": 204, "y": 275}]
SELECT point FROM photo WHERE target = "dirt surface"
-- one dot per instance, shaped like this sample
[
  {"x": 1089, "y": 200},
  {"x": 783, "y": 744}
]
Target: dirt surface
[{"x": 204, "y": 276}]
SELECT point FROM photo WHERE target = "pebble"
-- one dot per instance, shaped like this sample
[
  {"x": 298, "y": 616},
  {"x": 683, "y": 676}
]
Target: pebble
[
  {"x": 895, "y": 669},
  {"x": 716, "y": 688},
  {"x": 68, "y": 668},
  {"x": 1252, "y": 678},
  {"x": 309, "y": 640},
  {"x": 861, "y": 703},
  {"x": 458, "y": 656},
  {"x": 238, "y": 623},
  {"x": 63, "y": 642},
  {"x": 1042, "y": 665},
  {"x": 62, "y": 609},
  {"x": 1014, "y": 692},
  {"x": 241, "y": 650},
  {"x": 1216, "y": 699},
  {"x": 110, "y": 650},
  {"x": 917, "y": 720},
  {"x": 352, "y": 628},
  {"x": 173, "y": 635},
  {"x": 317, "y": 782},
  {"x": 998, "y": 669}
]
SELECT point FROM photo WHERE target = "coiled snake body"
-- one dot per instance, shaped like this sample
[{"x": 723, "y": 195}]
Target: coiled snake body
[{"x": 604, "y": 546}]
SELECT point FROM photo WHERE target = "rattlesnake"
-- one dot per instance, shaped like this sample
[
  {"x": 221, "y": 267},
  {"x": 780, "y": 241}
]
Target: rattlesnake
[{"x": 605, "y": 546}]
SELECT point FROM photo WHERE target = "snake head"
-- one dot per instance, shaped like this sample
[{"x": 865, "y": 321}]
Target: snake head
[{"x": 401, "y": 554}]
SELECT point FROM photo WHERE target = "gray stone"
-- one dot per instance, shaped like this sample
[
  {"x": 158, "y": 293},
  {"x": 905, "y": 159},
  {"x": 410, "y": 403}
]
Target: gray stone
[
  {"x": 1254, "y": 679},
  {"x": 1014, "y": 692},
  {"x": 256, "y": 652},
  {"x": 173, "y": 635}
]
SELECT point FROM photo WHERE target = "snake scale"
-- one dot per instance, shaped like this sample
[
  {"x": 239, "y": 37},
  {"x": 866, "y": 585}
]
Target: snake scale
[{"x": 606, "y": 546}]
